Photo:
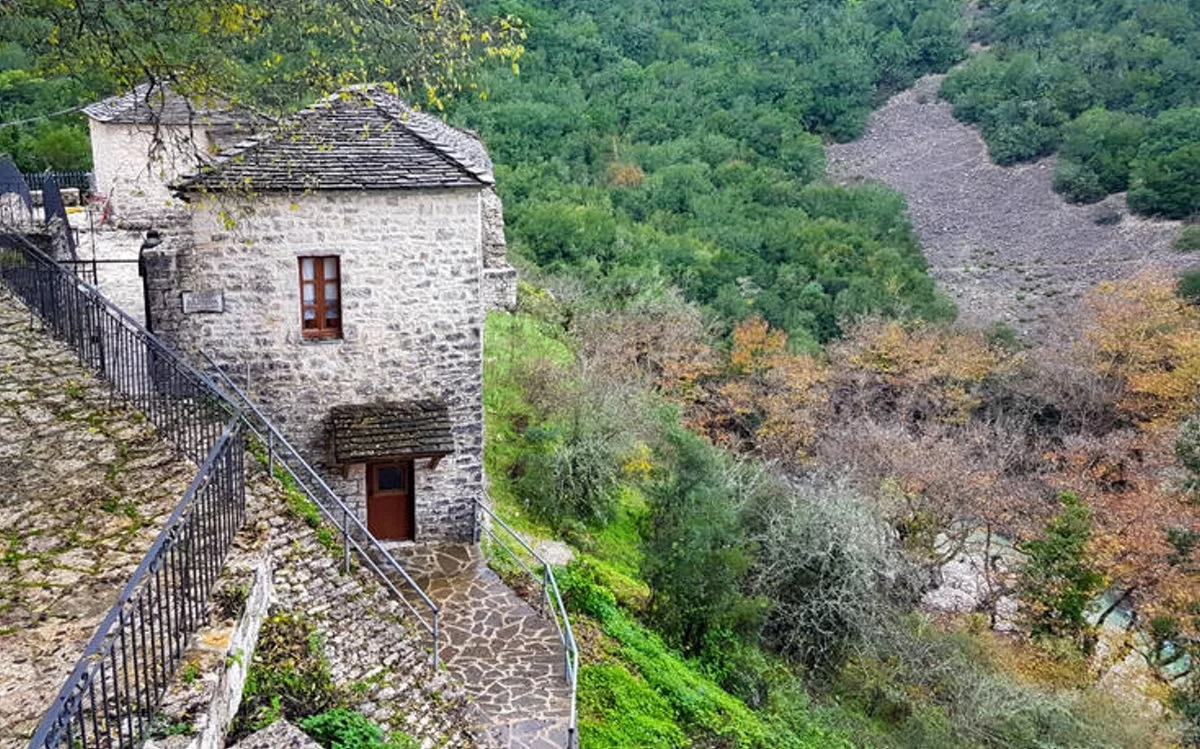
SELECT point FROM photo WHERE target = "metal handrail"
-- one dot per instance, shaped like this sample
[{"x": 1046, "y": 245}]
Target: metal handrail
[
  {"x": 553, "y": 600},
  {"x": 111, "y": 321},
  {"x": 276, "y": 443},
  {"x": 147, "y": 583},
  {"x": 164, "y": 599}
]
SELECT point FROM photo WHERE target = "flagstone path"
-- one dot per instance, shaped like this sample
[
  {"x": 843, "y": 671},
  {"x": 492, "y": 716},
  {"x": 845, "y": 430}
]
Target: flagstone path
[{"x": 505, "y": 652}]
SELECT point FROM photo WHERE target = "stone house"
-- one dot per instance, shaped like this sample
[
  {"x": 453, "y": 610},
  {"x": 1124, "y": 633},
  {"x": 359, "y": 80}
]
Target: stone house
[
  {"x": 145, "y": 139},
  {"x": 142, "y": 141},
  {"x": 342, "y": 263}
]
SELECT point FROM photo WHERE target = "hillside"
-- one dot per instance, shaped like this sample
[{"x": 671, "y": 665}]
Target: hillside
[{"x": 998, "y": 239}]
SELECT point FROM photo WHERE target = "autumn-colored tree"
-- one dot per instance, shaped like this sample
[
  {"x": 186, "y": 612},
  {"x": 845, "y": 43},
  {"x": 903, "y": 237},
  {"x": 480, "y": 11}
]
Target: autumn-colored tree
[
  {"x": 772, "y": 399},
  {"x": 1148, "y": 339},
  {"x": 929, "y": 371}
]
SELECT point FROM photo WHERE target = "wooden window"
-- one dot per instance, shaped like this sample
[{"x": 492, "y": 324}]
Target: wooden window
[{"x": 320, "y": 297}]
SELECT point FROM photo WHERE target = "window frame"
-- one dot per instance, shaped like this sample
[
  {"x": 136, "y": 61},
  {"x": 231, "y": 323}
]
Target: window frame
[{"x": 320, "y": 305}]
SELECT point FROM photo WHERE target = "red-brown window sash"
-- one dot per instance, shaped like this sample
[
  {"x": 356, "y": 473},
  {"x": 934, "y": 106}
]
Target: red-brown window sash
[{"x": 325, "y": 325}]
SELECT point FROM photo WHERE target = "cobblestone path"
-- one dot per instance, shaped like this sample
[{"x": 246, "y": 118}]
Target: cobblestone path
[
  {"x": 85, "y": 485},
  {"x": 506, "y": 653}
]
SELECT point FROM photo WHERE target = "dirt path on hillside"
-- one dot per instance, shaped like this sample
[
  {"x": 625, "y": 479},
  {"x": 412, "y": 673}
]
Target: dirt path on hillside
[{"x": 999, "y": 240}]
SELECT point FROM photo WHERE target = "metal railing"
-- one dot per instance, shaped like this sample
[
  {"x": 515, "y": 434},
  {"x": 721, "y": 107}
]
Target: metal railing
[
  {"x": 551, "y": 600},
  {"x": 354, "y": 534},
  {"x": 82, "y": 181},
  {"x": 182, "y": 403},
  {"x": 111, "y": 695}
]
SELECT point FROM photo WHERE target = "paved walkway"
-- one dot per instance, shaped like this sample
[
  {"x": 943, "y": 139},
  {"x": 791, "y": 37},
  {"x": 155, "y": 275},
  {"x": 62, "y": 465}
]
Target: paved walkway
[
  {"x": 85, "y": 485},
  {"x": 506, "y": 653}
]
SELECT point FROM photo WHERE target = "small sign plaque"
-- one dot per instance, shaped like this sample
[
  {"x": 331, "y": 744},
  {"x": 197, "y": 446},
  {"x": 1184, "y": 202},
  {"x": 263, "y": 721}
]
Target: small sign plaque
[{"x": 203, "y": 301}]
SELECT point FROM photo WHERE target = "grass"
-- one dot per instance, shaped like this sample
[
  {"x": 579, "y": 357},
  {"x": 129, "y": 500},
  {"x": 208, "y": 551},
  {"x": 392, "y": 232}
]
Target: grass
[
  {"x": 1188, "y": 239},
  {"x": 657, "y": 683}
]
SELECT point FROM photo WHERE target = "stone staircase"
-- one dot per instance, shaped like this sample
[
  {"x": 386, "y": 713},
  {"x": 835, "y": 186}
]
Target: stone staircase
[
  {"x": 372, "y": 645},
  {"x": 86, "y": 484},
  {"x": 505, "y": 651}
]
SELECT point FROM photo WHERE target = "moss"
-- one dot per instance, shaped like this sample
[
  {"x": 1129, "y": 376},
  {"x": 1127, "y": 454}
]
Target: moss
[{"x": 617, "y": 709}]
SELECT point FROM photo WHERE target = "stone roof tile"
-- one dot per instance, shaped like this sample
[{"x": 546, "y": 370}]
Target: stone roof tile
[
  {"x": 157, "y": 104},
  {"x": 361, "y": 138},
  {"x": 359, "y": 433}
]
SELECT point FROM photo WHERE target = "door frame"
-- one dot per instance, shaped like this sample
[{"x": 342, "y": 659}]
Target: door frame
[{"x": 408, "y": 471}]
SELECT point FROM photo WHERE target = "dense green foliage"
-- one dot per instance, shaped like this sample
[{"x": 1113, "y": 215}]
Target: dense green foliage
[
  {"x": 56, "y": 55},
  {"x": 1057, "y": 581},
  {"x": 1188, "y": 239},
  {"x": 641, "y": 146},
  {"x": 59, "y": 143},
  {"x": 693, "y": 553},
  {"x": 340, "y": 728},
  {"x": 674, "y": 691},
  {"x": 1110, "y": 85},
  {"x": 704, "y": 597}
]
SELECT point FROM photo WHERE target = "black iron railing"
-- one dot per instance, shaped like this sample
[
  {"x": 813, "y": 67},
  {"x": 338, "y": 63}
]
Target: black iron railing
[
  {"x": 187, "y": 409},
  {"x": 81, "y": 181},
  {"x": 111, "y": 696}
]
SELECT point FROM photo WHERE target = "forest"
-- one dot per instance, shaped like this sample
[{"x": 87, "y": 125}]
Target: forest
[
  {"x": 733, "y": 389},
  {"x": 1112, "y": 87}
]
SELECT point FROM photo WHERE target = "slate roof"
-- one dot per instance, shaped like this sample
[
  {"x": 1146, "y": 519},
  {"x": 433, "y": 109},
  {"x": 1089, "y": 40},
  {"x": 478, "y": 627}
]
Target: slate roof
[
  {"x": 361, "y": 138},
  {"x": 149, "y": 104},
  {"x": 390, "y": 430}
]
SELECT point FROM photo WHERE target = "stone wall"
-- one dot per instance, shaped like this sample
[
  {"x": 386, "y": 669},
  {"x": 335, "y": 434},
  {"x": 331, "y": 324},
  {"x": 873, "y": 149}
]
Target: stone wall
[
  {"x": 499, "y": 278},
  {"x": 134, "y": 174},
  {"x": 412, "y": 322},
  {"x": 500, "y": 288}
]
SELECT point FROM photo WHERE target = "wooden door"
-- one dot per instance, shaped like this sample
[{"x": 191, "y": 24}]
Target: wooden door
[{"x": 390, "y": 508}]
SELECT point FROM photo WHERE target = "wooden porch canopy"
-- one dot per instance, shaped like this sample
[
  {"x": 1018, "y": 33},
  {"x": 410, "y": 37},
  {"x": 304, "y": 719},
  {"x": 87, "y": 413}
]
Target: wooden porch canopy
[{"x": 401, "y": 429}]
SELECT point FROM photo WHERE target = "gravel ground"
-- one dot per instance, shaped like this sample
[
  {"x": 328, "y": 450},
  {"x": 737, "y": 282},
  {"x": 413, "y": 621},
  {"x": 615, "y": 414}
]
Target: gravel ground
[{"x": 998, "y": 239}]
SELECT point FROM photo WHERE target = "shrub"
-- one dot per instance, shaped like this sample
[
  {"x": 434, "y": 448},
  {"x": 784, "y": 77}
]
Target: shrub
[
  {"x": 1057, "y": 583},
  {"x": 1188, "y": 286},
  {"x": 1165, "y": 176},
  {"x": 340, "y": 728},
  {"x": 1188, "y": 239},
  {"x": 570, "y": 478},
  {"x": 1101, "y": 144},
  {"x": 828, "y": 567},
  {"x": 288, "y": 678},
  {"x": 923, "y": 687},
  {"x": 1077, "y": 183},
  {"x": 709, "y": 715},
  {"x": 693, "y": 554}
]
